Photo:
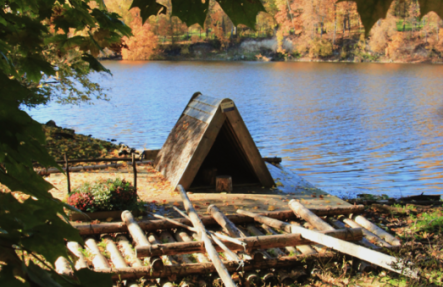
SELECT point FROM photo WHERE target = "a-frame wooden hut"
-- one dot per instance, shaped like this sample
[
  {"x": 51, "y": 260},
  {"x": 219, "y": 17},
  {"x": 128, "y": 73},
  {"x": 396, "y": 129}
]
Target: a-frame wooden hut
[{"x": 210, "y": 138}]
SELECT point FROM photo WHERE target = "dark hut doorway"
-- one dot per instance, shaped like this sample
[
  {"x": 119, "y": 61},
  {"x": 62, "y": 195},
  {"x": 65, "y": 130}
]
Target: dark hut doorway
[{"x": 226, "y": 157}]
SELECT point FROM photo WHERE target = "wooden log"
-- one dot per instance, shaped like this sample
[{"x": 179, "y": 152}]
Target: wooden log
[
  {"x": 134, "y": 229},
  {"x": 224, "y": 222},
  {"x": 166, "y": 258},
  {"x": 363, "y": 253},
  {"x": 267, "y": 220},
  {"x": 127, "y": 251},
  {"x": 75, "y": 249},
  {"x": 300, "y": 210},
  {"x": 252, "y": 243},
  {"x": 139, "y": 237},
  {"x": 304, "y": 249},
  {"x": 166, "y": 237},
  {"x": 364, "y": 241},
  {"x": 63, "y": 267},
  {"x": 357, "y": 251},
  {"x": 377, "y": 230},
  {"x": 205, "y": 268},
  {"x": 275, "y": 252},
  {"x": 182, "y": 236},
  {"x": 116, "y": 257},
  {"x": 99, "y": 260},
  {"x": 251, "y": 279},
  {"x": 223, "y": 183},
  {"x": 290, "y": 249},
  {"x": 280, "y": 225},
  {"x": 152, "y": 225},
  {"x": 257, "y": 253},
  {"x": 201, "y": 230},
  {"x": 371, "y": 237}
]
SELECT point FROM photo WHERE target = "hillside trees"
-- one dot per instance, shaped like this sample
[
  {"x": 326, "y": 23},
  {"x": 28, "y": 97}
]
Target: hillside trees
[{"x": 142, "y": 44}]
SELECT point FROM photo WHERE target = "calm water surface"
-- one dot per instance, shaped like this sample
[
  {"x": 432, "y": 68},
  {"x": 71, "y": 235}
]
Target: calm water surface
[{"x": 347, "y": 128}]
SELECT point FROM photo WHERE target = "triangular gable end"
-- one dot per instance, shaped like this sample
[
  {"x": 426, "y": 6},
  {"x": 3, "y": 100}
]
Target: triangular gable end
[{"x": 210, "y": 138}]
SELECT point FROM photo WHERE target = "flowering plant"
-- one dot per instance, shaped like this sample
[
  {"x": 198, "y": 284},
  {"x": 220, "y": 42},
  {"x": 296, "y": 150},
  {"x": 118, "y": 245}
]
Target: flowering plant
[{"x": 104, "y": 195}]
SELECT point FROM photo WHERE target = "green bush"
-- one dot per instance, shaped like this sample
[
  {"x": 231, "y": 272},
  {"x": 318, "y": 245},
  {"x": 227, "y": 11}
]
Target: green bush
[
  {"x": 320, "y": 48},
  {"x": 104, "y": 195}
]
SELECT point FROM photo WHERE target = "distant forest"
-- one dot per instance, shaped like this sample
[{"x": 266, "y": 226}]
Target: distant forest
[{"x": 290, "y": 30}]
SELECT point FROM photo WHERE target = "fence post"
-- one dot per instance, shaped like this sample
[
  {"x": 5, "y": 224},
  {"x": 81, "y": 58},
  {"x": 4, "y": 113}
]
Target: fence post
[
  {"x": 134, "y": 168},
  {"x": 67, "y": 173}
]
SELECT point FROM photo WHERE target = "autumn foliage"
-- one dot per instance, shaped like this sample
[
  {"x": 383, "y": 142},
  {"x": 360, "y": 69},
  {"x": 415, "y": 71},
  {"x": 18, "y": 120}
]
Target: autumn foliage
[
  {"x": 317, "y": 29},
  {"x": 144, "y": 42}
]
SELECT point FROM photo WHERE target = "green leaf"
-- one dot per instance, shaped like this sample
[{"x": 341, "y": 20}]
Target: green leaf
[
  {"x": 148, "y": 8},
  {"x": 89, "y": 278},
  {"x": 7, "y": 278},
  {"x": 190, "y": 11},
  {"x": 371, "y": 11},
  {"x": 40, "y": 276},
  {"x": 242, "y": 11},
  {"x": 33, "y": 66},
  {"x": 94, "y": 64}
]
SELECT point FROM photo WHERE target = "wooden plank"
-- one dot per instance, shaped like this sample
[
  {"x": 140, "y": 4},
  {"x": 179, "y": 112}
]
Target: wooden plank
[
  {"x": 199, "y": 115},
  {"x": 203, "y": 107},
  {"x": 363, "y": 253},
  {"x": 204, "y": 146},
  {"x": 249, "y": 147},
  {"x": 207, "y": 100}
]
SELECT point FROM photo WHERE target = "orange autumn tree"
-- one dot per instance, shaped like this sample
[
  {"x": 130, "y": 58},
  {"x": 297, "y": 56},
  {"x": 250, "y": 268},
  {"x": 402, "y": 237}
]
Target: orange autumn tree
[{"x": 144, "y": 42}]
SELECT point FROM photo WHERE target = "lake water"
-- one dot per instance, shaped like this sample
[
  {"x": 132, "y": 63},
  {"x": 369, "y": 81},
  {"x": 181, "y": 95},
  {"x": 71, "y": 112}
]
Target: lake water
[{"x": 347, "y": 128}]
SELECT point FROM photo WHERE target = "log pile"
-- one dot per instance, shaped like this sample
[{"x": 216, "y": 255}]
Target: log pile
[{"x": 232, "y": 249}]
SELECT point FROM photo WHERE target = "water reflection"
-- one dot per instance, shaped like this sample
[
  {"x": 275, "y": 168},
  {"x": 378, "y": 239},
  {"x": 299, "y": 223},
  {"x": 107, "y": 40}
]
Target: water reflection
[{"x": 348, "y": 128}]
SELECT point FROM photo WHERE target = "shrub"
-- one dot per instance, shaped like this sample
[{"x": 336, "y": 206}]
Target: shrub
[
  {"x": 104, "y": 195},
  {"x": 320, "y": 48}
]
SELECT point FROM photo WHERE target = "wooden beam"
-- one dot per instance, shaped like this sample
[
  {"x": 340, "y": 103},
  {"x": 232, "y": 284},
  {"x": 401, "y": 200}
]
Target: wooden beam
[
  {"x": 152, "y": 225},
  {"x": 252, "y": 243},
  {"x": 201, "y": 231},
  {"x": 377, "y": 230},
  {"x": 363, "y": 253},
  {"x": 224, "y": 222}
]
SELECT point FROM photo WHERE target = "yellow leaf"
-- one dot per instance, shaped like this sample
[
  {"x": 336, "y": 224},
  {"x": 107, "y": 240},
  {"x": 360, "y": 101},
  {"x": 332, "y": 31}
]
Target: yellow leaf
[
  {"x": 271, "y": 208},
  {"x": 109, "y": 219}
]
